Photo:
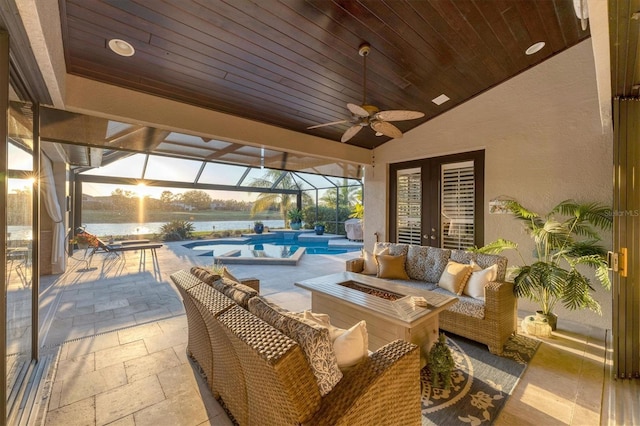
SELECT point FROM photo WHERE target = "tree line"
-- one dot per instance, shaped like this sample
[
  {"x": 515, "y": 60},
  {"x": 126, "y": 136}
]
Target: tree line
[
  {"x": 344, "y": 200},
  {"x": 122, "y": 199}
]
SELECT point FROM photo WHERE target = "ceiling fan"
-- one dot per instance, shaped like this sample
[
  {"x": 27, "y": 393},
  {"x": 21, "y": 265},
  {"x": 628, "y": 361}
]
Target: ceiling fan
[{"x": 369, "y": 115}]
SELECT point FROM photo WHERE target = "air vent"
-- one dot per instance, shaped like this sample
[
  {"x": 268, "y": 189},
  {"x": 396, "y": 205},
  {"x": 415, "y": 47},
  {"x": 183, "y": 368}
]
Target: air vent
[{"x": 440, "y": 99}]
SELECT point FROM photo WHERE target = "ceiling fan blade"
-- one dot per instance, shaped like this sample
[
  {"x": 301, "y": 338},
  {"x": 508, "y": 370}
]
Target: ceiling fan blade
[
  {"x": 358, "y": 110},
  {"x": 386, "y": 129},
  {"x": 398, "y": 115},
  {"x": 327, "y": 124},
  {"x": 351, "y": 132}
]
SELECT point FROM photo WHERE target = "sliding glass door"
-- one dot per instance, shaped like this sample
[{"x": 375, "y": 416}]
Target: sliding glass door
[
  {"x": 20, "y": 285},
  {"x": 438, "y": 201}
]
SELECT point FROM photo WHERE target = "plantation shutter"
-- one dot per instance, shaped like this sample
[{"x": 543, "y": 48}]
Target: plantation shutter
[
  {"x": 457, "y": 205},
  {"x": 409, "y": 211}
]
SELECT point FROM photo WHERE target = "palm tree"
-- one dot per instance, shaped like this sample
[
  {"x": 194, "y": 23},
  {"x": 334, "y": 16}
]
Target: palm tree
[
  {"x": 348, "y": 196},
  {"x": 285, "y": 202}
]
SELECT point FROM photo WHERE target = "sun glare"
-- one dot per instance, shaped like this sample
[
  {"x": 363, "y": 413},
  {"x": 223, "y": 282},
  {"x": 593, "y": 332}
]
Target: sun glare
[{"x": 142, "y": 190}]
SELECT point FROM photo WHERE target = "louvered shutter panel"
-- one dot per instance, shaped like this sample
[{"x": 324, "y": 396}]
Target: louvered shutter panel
[
  {"x": 409, "y": 214},
  {"x": 458, "y": 204}
]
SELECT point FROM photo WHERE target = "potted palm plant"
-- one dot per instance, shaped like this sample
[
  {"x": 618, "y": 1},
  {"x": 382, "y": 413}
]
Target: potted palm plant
[
  {"x": 565, "y": 239},
  {"x": 295, "y": 218}
]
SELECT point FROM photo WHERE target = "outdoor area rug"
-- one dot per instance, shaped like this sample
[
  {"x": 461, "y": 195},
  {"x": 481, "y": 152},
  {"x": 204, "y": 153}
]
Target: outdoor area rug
[{"x": 480, "y": 383}]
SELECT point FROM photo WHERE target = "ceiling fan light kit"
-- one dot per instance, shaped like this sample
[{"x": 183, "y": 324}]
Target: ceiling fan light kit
[{"x": 366, "y": 115}]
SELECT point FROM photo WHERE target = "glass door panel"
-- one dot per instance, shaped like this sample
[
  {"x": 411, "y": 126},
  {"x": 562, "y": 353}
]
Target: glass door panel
[
  {"x": 19, "y": 253},
  {"x": 457, "y": 203},
  {"x": 409, "y": 206},
  {"x": 18, "y": 280}
]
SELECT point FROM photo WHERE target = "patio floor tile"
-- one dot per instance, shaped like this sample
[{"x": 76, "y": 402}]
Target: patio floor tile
[
  {"x": 127, "y": 399},
  {"x": 140, "y": 374},
  {"x": 151, "y": 364},
  {"x": 81, "y": 386},
  {"x": 118, "y": 354},
  {"x": 81, "y": 413}
]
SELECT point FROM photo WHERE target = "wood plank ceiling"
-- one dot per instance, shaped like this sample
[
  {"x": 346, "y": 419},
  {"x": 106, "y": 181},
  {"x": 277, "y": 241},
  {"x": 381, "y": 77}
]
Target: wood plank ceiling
[{"x": 295, "y": 63}]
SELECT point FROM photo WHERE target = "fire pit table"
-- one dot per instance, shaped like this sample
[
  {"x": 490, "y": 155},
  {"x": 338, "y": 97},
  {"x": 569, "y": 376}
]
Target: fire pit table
[{"x": 387, "y": 307}]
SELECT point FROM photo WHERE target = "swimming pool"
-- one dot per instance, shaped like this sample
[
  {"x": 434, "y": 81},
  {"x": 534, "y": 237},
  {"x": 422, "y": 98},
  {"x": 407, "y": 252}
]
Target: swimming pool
[{"x": 273, "y": 248}]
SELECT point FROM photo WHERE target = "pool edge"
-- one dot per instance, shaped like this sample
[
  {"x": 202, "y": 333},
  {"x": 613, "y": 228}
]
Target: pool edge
[{"x": 290, "y": 261}]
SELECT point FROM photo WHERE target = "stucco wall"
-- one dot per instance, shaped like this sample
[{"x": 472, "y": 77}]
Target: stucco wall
[{"x": 543, "y": 142}]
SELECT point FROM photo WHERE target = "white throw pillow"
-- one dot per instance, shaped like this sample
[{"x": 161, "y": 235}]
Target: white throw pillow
[
  {"x": 479, "y": 279},
  {"x": 350, "y": 346},
  {"x": 370, "y": 263}
]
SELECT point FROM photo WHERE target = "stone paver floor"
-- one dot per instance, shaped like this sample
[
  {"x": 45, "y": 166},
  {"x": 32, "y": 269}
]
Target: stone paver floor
[{"x": 119, "y": 333}]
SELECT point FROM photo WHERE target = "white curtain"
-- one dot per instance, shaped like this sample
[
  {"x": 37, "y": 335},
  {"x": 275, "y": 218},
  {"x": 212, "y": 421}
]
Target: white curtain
[{"x": 48, "y": 189}]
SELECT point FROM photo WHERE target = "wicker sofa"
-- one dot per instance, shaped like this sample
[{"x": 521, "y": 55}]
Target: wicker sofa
[
  {"x": 489, "y": 320},
  {"x": 262, "y": 376}
]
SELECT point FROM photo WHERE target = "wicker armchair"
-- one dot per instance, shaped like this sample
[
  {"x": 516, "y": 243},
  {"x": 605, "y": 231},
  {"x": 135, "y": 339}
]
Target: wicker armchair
[
  {"x": 281, "y": 389},
  {"x": 261, "y": 376}
]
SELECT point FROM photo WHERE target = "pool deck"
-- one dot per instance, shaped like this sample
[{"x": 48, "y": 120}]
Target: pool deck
[{"x": 116, "y": 336}]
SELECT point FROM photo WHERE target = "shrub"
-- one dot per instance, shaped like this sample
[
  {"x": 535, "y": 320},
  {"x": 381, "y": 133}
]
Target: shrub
[
  {"x": 176, "y": 230},
  {"x": 326, "y": 215}
]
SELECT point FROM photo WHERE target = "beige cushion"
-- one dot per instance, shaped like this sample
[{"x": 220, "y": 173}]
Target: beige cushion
[
  {"x": 370, "y": 264},
  {"x": 313, "y": 339},
  {"x": 350, "y": 346},
  {"x": 479, "y": 279},
  {"x": 205, "y": 275},
  {"x": 392, "y": 267},
  {"x": 321, "y": 319},
  {"x": 454, "y": 277},
  {"x": 240, "y": 293}
]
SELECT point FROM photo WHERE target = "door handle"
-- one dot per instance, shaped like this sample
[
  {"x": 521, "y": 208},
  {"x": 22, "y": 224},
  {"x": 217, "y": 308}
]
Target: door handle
[
  {"x": 622, "y": 263},
  {"x": 618, "y": 261}
]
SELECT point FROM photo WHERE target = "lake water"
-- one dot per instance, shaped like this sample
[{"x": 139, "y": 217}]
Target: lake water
[
  {"x": 154, "y": 227},
  {"x": 108, "y": 229}
]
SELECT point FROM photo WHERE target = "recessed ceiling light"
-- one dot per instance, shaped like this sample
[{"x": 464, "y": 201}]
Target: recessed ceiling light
[
  {"x": 534, "y": 48},
  {"x": 440, "y": 99},
  {"x": 121, "y": 47}
]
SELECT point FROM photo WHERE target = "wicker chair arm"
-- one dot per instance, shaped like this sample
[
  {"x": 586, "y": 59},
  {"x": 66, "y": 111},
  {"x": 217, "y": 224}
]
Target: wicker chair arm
[
  {"x": 383, "y": 390},
  {"x": 499, "y": 299},
  {"x": 354, "y": 265},
  {"x": 279, "y": 381}
]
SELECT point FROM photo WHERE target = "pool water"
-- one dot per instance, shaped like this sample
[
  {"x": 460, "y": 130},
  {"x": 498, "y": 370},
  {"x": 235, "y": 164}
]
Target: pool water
[{"x": 276, "y": 248}]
